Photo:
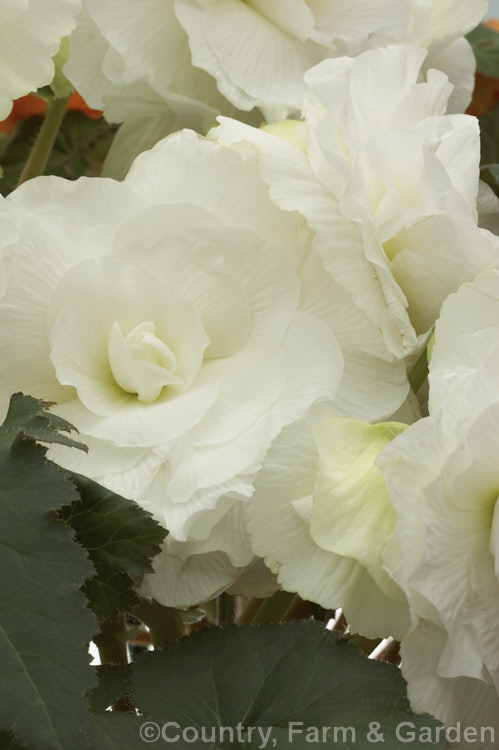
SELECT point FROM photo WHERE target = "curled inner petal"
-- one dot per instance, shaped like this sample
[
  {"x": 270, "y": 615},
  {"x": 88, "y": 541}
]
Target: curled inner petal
[{"x": 140, "y": 362}]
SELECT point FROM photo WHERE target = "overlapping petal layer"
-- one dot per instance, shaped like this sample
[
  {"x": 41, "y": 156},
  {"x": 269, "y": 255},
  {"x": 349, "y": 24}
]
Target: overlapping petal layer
[
  {"x": 164, "y": 316},
  {"x": 320, "y": 517},
  {"x": 31, "y": 33},
  {"x": 380, "y": 177},
  {"x": 443, "y": 481},
  {"x": 160, "y": 65}
]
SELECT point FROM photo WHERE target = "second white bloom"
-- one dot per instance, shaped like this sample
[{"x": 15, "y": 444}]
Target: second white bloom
[{"x": 163, "y": 317}]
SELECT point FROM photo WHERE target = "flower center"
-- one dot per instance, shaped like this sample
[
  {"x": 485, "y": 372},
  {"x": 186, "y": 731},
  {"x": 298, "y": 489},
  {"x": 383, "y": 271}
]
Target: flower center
[
  {"x": 392, "y": 248},
  {"x": 141, "y": 362}
]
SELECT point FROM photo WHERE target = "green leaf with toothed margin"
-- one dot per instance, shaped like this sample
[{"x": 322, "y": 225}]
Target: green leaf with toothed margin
[
  {"x": 121, "y": 539},
  {"x": 270, "y": 676},
  {"x": 44, "y": 621}
]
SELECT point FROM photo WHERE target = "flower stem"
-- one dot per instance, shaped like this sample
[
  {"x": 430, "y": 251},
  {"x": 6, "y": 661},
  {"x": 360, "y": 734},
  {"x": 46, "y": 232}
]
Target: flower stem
[
  {"x": 274, "y": 608},
  {"x": 44, "y": 143},
  {"x": 225, "y": 609},
  {"x": 251, "y": 608},
  {"x": 340, "y": 623},
  {"x": 302, "y": 609},
  {"x": 112, "y": 650},
  {"x": 387, "y": 650},
  {"x": 163, "y": 622}
]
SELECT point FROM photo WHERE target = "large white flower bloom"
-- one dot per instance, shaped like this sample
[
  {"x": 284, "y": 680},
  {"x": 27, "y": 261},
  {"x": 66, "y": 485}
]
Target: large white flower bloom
[
  {"x": 389, "y": 184},
  {"x": 439, "y": 26},
  {"x": 159, "y": 65},
  {"x": 179, "y": 320},
  {"x": 131, "y": 59},
  {"x": 320, "y": 518},
  {"x": 31, "y": 33},
  {"x": 443, "y": 477},
  {"x": 259, "y": 51}
]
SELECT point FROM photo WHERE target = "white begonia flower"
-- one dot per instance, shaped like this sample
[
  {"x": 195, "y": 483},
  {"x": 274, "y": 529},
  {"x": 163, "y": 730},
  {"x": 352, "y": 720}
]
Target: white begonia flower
[
  {"x": 470, "y": 702},
  {"x": 439, "y": 26},
  {"x": 443, "y": 479},
  {"x": 31, "y": 33},
  {"x": 389, "y": 184},
  {"x": 320, "y": 518},
  {"x": 160, "y": 65},
  {"x": 259, "y": 51},
  {"x": 171, "y": 318},
  {"x": 131, "y": 59}
]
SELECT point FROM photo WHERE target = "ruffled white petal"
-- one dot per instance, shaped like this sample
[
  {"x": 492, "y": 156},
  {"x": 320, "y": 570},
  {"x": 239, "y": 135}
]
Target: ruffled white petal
[
  {"x": 444, "y": 20},
  {"x": 31, "y": 34},
  {"x": 464, "y": 341},
  {"x": 199, "y": 173},
  {"x": 443, "y": 482},
  {"x": 457, "y": 61},
  {"x": 346, "y": 26},
  {"x": 280, "y": 514},
  {"x": 254, "y": 60},
  {"x": 392, "y": 205},
  {"x": 48, "y": 211},
  {"x": 137, "y": 135},
  {"x": 128, "y": 82},
  {"x": 194, "y": 59},
  {"x": 255, "y": 581},
  {"x": 471, "y": 702},
  {"x": 178, "y": 582},
  {"x": 371, "y": 389},
  {"x": 352, "y": 514},
  {"x": 145, "y": 424}
]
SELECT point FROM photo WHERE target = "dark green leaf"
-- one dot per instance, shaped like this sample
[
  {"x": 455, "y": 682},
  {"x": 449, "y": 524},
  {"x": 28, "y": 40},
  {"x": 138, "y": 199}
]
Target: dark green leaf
[
  {"x": 485, "y": 44},
  {"x": 44, "y": 620},
  {"x": 114, "y": 683},
  {"x": 30, "y": 418},
  {"x": 9, "y": 742},
  {"x": 110, "y": 592},
  {"x": 489, "y": 136},
  {"x": 113, "y": 730},
  {"x": 121, "y": 539},
  {"x": 120, "y": 731},
  {"x": 270, "y": 676},
  {"x": 490, "y": 174}
]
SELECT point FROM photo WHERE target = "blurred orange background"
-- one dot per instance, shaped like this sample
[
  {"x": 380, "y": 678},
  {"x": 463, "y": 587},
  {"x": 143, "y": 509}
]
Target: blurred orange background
[{"x": 30, "y": 105}]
